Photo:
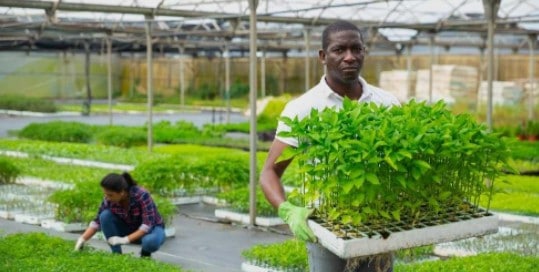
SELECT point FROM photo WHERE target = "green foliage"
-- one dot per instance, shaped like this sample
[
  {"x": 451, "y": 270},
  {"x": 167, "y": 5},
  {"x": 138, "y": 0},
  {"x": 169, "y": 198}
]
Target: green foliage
[
  {"x": 58, "y": 131},
  {"x": 121, "y": 136},
  {"x": 525, "y": 150},
  {"x": 188, "y": 175},
  {"x": 9, "y": 172},
  {"x": 238, "y": 201},
  {"x": 488, "y": 262},
  {"x": 79, "y": 204},
  {"x": 272, "y": 111},
  {"x": 414, "y": 254},
  {"x": 39, "y": 252},
  {"x": 26, "y": 103},
  {"x": 166, "y": 132},
  {"x": 369, "y": 163},
  {"x": 101, "y": 153},
  {"x": 206, "y": 91},
  {"x": 166, "y": 209},
  {"x": 238, "y": 89},
  {"x": 519, "y": 195},
  {"x": 290, "y": 255}
]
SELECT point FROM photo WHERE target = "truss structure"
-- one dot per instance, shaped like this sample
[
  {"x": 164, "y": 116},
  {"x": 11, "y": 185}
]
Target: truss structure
[{"x": 208, "y": 27}]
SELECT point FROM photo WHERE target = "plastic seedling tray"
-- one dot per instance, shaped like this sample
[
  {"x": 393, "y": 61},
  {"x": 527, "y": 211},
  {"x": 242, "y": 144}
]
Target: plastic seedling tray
[
  {"x": 373, "y": 242},
  {"x": 244, "y": 218}
]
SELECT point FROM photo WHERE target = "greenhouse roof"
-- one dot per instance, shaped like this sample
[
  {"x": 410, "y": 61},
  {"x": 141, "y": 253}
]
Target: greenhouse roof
[{"x": 203, "y": 25}]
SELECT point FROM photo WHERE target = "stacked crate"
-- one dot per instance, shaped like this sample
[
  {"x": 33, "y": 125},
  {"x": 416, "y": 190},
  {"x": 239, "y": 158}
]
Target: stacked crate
[{"x": 449, "y": 83}]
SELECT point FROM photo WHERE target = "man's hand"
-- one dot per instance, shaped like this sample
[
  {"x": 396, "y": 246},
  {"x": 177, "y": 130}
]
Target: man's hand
[
  {"x": 296, "y": 218},
  {"x": 117, "y": 240},
  {"x": 80, "y": 243}
]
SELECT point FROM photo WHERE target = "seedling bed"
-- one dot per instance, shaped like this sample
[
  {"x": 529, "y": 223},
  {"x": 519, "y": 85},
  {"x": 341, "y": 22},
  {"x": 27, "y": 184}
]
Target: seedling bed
[{"x": 347, "y": 242}]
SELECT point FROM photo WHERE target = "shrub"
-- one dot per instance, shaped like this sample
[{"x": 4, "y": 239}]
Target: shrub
[
  {"x": 122, "y": 136},
  {"x": 58, "y": 131},
  {"x": 39, "y": 252},
  {"x": 166, "y": 209},
  {"x": 166, "y": 132},
  {"x": 238, "y": 201},
  {"x": 26, "y": 103},
  {"x": 290, "y": 255},
  {"x": 8, "y": 171},
  {"x": 167, "y": 176},
  {"x": 79, "y": 204}
]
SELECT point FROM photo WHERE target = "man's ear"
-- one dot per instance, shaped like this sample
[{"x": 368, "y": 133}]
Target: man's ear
[{"x": 322, "y": 56}]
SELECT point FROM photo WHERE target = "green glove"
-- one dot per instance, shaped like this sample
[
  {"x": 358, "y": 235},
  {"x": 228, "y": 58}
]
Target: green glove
[{"x": 296, "y": 218}]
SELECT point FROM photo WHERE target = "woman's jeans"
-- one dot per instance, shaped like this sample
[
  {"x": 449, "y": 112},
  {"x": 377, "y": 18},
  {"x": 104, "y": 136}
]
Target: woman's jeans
[{"x": 112, "y": 225}]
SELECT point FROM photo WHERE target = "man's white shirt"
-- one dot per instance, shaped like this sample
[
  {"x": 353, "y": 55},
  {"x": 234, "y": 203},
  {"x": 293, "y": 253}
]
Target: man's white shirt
[{"x": 321, "y": 96}]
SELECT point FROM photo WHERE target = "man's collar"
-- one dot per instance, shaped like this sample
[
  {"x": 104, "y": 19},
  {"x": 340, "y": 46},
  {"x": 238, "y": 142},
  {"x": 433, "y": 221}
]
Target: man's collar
[{"x": 327, "y": 91}]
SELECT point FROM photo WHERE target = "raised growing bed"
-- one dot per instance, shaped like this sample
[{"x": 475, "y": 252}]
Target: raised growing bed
[
  {"x": 243, "y": 218},
  {"x": 347, "y": 242}
]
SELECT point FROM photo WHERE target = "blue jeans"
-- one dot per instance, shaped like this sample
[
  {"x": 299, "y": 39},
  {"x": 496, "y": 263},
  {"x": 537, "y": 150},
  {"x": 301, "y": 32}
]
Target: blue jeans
[{"x": 112, "y": 225}]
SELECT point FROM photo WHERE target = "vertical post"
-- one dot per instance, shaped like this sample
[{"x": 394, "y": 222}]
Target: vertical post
[
  {"x": 532, "y": 40},
  {"x": 149, "y": 78},
  {"x": 88, "y": 103},
  {"x": 252, "y": 100},
  {"x": 307, "y": 36},
  {"x": 181, "y": 49},
  {"x": 409, "y": 92},
  {"x": 431, "y": 47},
  {"x": 109, "y": 75},
  {"x": 227, "y": 83},
  {"x": 491, "y": 10},
  {"x": 263, "y": 74}
]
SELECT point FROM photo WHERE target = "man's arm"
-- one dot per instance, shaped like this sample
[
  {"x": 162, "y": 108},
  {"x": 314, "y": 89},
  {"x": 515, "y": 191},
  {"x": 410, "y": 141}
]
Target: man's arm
[{"x": 270, "y": 177}]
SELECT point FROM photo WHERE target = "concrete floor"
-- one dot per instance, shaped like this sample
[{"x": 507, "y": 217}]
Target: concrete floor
[{"x": 202, "y": 243}]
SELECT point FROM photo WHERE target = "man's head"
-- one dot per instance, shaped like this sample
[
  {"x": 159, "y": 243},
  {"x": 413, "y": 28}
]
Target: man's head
[
  {"x": 342, "y": 52},
  {"x": 336, "y": 27}
]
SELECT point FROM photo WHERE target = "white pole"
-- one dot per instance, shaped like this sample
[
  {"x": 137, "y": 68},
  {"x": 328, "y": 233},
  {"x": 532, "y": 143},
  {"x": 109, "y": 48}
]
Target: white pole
[{"x": 252, "y": 100}]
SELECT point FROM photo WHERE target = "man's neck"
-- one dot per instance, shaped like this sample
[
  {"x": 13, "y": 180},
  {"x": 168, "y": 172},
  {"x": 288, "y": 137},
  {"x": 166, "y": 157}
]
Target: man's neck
[{"x": 352, "y": 90}]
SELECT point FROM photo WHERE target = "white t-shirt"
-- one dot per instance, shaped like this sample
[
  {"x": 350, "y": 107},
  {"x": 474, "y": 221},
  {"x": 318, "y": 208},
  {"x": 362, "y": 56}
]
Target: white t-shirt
[{"x": 321, "y": 96}]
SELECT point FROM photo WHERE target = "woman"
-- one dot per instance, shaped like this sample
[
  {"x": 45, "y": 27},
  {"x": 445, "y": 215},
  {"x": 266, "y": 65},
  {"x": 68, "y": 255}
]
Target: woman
[{"x": 127, "y": 215}]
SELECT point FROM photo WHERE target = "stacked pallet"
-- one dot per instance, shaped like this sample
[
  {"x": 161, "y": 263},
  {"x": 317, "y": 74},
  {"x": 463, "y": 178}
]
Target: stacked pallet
[
  {"x": 449, "y": 83},
  {"x": 399, "y": 83},
  {"x": 506, "y": 93}
]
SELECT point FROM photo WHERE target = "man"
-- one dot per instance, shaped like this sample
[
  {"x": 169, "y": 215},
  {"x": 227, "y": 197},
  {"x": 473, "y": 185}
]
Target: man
[{"x": 343, "y": 53}]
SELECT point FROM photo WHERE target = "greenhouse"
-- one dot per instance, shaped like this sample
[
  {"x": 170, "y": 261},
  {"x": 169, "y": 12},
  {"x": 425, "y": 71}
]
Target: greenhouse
[{"x": 203, "y": 109}]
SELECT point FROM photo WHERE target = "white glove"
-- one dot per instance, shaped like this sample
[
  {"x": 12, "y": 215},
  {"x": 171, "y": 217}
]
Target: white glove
[
  {"x": 80, "y": 243},
  {"x": 117, "y": 240}
]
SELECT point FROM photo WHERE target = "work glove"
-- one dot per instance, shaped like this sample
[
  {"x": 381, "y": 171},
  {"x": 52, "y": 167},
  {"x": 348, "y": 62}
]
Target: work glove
[
  {"x": 296, "y": 218},
  {"x": 80, "y": 243},
  {"x": 117, "y": 240}
]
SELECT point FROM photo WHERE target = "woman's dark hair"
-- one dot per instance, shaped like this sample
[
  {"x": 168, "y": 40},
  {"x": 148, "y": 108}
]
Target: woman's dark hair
[{"x": 117, "y": 183}]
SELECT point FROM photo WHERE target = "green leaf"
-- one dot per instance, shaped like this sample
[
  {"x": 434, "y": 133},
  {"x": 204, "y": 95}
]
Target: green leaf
[{"x": 372, "y": 178}]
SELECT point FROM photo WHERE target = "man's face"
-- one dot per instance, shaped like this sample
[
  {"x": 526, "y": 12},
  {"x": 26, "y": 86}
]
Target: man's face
[{"x": 344, "y": 56}]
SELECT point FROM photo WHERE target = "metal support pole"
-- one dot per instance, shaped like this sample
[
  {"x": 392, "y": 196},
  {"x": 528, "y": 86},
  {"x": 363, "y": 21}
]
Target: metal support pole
[
  {"x": 252, "y": 100},
  {"x": 227, "y": 83},
  {"x": 491, "y": 10},
  {"x": 431, "y": 47},
  {"x": 109, "y": 76},
  {"x": 181, "y": 49},
  {"x": 263, "y": 74},
  {"x": 307, "y": 36},
  {"x": 409, "y": 92},
  {"x": 149, "y": 78},
  {"x": 532, "y": 40}
]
